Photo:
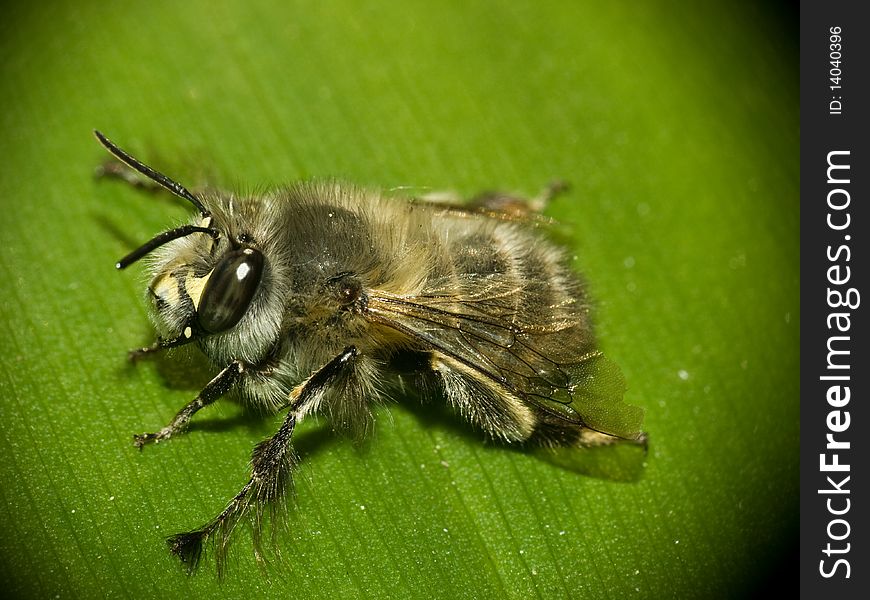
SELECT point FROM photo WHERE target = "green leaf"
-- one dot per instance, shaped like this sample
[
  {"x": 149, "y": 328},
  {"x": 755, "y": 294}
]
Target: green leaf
[{"x": 676, "y": 125}]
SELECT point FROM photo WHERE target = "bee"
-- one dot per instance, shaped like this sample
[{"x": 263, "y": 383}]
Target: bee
[{"x": 327, "y": 298}]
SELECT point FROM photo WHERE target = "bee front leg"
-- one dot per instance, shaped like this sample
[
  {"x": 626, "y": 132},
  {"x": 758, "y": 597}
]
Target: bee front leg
[
  {"x": 213, "y": 390},
  {"x": 111, "y": 168},
  {"x": 272, "y": 464},
  {"x": 160, "y": 345}
]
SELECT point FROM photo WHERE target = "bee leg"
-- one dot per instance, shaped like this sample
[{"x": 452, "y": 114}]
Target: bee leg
[
  {"x": 479, "y": 400},
  {"x": 518, "y": 206},
  {"x": 272, "y": 464},
  {"x": 111, "y": 168},
  {"x": 134, "y": 355},
  {"x": 213, "y": 390}
]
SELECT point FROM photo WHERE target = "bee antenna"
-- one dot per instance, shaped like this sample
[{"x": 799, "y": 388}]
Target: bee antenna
[
  {"x": 155, "y": 176},
  {"x": 159, "y": 240}
]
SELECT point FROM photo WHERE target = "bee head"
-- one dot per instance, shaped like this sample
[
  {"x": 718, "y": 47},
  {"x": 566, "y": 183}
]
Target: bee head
[
  {"x": 192, "y": 303},
  {"x": 213, "y": 302}
]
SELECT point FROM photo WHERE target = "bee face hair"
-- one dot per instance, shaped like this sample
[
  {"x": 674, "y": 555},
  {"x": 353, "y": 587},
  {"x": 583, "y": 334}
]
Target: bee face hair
[{"x": 323, "y": 297}]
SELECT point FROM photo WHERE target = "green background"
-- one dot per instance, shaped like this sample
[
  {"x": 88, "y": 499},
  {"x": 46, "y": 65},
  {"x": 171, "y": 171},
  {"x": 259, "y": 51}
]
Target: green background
[{"x": 676, "y": 123}]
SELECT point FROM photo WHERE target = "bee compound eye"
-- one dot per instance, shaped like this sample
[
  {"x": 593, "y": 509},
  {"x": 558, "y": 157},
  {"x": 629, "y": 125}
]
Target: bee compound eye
[{"x": 230, "y": 289}]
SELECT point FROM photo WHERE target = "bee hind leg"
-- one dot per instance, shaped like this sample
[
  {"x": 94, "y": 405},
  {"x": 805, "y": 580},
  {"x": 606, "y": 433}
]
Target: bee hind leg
[
  {"x": 272, "y": 464},
  {"x": 518, "y": 206},
  {"x": 498, "y": 204}
]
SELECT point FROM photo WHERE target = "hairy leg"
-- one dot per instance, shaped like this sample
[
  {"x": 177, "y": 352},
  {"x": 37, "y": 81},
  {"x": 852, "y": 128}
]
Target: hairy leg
[
  {"x": 272, "y": 464},
  {"x": 498, "y": 205}
]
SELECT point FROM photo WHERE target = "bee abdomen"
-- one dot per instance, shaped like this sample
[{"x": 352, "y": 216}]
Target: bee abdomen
[{"x": 522, "y": 274}]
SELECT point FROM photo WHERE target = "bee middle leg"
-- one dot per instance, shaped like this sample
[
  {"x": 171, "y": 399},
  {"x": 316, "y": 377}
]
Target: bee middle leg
[{"x": 272, "y": 464}]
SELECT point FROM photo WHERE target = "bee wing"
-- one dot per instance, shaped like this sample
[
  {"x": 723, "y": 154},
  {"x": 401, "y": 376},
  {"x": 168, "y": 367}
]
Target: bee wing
[{"x": 551, "y": 363}]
